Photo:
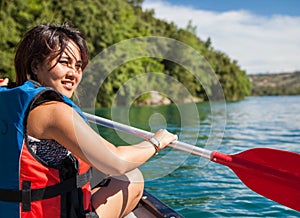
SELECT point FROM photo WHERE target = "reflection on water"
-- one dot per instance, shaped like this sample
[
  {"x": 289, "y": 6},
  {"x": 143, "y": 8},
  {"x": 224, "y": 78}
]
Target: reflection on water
[{"x": 192, "y": 185}]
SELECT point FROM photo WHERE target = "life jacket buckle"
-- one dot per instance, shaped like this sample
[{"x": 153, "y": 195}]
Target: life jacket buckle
[{"x": 26, "y": 196}]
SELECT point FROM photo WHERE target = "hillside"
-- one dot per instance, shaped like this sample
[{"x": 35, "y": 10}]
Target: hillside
[
  {"x": 275, "y": 84},
  {"x": 108, "y": 23}
]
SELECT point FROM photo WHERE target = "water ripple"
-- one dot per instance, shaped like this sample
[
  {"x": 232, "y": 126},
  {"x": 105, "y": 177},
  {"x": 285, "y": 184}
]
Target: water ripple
[{"x": 198, "y": 188}]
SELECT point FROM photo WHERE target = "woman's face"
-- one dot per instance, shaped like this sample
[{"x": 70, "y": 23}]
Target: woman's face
[{"x": 66, "y": 73}]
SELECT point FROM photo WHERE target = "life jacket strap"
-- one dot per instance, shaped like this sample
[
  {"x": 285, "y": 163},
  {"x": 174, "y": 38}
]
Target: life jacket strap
[{"x": 27, "y": 195}]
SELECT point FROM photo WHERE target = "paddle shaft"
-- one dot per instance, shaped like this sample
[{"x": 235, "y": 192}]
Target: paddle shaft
[
  {"x": 272, "y": 173},
  {"x": 146, "y": 135}
]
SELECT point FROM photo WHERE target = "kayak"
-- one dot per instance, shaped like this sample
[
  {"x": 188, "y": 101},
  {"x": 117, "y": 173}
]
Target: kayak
[{"x": 151, "y": 207}]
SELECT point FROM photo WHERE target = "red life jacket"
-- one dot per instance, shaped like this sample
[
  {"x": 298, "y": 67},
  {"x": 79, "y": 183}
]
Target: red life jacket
[
  {"x": 28, "y": 186},
  {"x": 36, "y": 175}
]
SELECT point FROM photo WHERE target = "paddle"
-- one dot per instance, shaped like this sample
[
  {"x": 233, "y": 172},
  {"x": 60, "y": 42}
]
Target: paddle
[{"x": 272, "y": 173}]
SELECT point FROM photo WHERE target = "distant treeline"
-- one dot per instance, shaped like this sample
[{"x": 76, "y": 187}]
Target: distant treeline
[
  {"x": 107, "y": 22},
  {"x": 275, "y": 84}
]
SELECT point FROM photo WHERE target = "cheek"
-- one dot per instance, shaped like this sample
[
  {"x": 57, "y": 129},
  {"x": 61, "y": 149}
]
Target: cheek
[
  {"x": 50, "y": 78},
  {"x": 79, "y": 78},
  {"x": 56, "y": 73}
]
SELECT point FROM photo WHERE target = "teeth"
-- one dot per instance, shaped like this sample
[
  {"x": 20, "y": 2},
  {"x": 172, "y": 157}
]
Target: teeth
[{"x": 69, "y": 85}]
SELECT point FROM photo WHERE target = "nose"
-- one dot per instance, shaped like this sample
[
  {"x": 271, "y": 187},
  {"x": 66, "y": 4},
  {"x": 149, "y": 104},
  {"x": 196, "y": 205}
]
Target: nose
[
  {"x": 71, "y": 74},
  {"x": 73, "y": 68}
]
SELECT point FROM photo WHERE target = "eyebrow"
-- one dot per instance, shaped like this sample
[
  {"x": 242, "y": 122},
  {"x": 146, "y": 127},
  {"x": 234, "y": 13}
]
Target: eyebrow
[{"x": 65, "y": 55}]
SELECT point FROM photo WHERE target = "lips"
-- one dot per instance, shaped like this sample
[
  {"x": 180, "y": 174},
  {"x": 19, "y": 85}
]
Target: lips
[{"x": 68, "y": 85}]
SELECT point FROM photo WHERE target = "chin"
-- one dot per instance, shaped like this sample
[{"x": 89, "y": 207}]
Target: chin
[{"x": 67, "y": 94}]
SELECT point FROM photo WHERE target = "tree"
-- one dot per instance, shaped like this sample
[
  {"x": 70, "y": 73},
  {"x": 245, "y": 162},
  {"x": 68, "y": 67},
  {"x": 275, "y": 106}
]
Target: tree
[{"x": 108, "y": 22}]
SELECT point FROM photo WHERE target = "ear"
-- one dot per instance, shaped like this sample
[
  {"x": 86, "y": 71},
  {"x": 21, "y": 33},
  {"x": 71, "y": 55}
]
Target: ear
[{"x": 34, "y": 67}]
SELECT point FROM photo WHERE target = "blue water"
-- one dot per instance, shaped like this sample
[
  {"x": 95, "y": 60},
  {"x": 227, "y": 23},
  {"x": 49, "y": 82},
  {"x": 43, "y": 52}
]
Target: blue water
[{"x": 196, "y": 187}]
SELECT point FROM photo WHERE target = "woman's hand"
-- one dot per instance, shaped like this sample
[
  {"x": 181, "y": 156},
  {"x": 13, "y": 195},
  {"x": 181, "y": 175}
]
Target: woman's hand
[
  {"x": 4, "y": 82},
  {"x": 162, "y": 138}
]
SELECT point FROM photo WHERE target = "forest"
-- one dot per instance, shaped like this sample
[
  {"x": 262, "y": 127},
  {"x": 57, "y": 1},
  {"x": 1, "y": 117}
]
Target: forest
[{"x": 108, "y": 22}]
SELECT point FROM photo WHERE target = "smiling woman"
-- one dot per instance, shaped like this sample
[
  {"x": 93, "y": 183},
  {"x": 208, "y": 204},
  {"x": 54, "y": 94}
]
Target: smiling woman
[
  {"x": 64, "y": 72},
  {"x": 47, "y": 148},
  {"x": 56, "y": 58}
]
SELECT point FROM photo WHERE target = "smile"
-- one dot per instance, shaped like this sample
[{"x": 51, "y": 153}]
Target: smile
[{"x": 68, "y": 84}]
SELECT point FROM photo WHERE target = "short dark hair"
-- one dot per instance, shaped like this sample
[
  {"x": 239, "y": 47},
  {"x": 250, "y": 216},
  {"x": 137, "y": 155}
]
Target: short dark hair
[{"x": 41, "y": 42}]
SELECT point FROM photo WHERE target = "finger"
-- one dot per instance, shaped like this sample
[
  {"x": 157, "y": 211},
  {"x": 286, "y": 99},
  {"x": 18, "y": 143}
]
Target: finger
[
  {"x": 4, "y": 81},
  {"x": 176, "y": 137}
]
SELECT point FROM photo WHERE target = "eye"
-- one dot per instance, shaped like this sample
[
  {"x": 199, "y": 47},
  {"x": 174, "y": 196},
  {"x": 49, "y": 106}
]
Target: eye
[
  {"x": 64, "y": 62},
  {"x": 78, "y": 66}
]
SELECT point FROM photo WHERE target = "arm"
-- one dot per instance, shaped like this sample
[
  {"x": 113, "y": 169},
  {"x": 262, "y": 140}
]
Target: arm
[{"x": 58, "y": 121}]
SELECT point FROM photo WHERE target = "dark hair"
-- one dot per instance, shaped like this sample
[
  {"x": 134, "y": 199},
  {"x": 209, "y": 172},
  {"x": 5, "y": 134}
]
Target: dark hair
[{"x": 40, "y": 43}]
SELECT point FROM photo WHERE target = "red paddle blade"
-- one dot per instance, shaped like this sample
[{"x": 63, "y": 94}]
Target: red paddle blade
[{"x": 272, "y": 173}]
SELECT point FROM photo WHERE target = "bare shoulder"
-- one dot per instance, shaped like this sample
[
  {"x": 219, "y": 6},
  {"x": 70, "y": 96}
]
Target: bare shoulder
[
  {"x": 51, "y": 110},
  {"x": 43, "y": 119}
]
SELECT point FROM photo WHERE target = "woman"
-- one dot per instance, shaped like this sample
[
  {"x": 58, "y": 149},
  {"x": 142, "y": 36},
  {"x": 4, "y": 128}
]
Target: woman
[{"x": 56, "y": 142}]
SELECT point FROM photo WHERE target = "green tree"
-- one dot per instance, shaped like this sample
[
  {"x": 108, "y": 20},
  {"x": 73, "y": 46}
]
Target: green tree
[{"x": 107, "y": 22}]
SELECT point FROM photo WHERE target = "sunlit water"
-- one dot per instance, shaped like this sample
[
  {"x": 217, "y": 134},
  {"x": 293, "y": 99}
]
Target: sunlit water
[{"x": 196, "y": 187}]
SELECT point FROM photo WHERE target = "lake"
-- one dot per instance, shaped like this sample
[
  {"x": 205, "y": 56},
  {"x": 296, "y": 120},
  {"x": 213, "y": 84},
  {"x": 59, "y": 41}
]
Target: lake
[{"x": 195, "y": 187}]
